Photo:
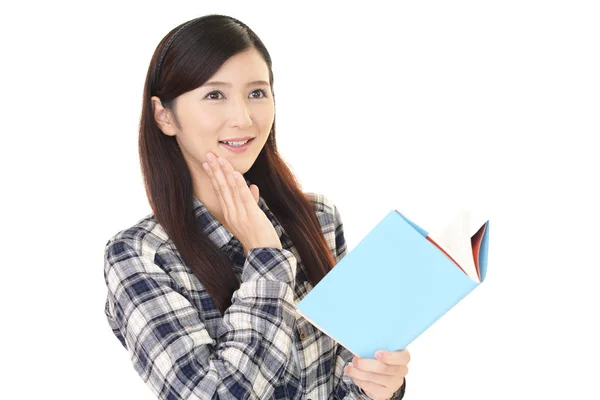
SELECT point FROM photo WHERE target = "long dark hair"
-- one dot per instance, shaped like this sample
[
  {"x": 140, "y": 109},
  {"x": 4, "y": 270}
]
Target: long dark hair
[{"x": 192, "y": 56}]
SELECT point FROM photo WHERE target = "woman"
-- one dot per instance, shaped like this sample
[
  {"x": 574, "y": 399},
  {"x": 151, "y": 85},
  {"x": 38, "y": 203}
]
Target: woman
[{"x": 202, "y": 292}]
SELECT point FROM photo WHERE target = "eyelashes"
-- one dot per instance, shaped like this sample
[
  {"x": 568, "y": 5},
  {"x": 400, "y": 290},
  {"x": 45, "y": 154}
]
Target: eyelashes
[{"x": 218, "y": 92}]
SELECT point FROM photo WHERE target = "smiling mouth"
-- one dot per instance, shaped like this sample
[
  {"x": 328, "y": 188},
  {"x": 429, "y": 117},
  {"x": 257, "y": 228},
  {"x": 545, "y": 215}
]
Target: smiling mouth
[
  {"x": 237, "y": 149},
  {"x": 248, "y": 138}
]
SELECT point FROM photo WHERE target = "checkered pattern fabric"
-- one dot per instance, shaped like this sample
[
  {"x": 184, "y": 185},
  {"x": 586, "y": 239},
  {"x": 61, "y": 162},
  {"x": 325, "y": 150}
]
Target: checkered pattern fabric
[{"x": 183, "y": 348}]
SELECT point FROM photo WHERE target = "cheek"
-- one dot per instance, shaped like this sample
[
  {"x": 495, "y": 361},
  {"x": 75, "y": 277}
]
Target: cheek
[
  {"x": 202, "y": 131},
  {"x": 196, "y": 140},
  {"x": 208, "y": 119},
  {"x": 264, "y": 118}
]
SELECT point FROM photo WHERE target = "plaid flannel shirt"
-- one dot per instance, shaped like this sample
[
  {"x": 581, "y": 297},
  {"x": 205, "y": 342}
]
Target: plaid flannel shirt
[{"x": 183, "y": 348}]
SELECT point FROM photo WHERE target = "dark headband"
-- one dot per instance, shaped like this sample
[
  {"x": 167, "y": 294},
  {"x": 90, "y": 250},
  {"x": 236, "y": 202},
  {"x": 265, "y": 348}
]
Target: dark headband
[{"x": 168, "y": 44}]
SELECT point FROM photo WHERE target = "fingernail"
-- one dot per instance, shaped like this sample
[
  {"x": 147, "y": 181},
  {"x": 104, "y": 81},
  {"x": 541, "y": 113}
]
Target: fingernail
[
  {"x": 205, "y": 166},
  {"x": 222, "y": 162},
  {"x": 379, "y": 354}
]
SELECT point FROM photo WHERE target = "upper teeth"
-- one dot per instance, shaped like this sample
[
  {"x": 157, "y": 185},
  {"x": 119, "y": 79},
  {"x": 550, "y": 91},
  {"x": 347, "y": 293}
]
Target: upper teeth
[{"x": 237, "y": 143}]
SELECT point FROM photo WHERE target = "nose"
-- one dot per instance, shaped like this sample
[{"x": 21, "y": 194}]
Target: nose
[{"x": 239, "y": 114}]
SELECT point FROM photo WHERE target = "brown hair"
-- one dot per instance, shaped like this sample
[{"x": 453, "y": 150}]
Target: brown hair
[{"x": 192, "y": 57}]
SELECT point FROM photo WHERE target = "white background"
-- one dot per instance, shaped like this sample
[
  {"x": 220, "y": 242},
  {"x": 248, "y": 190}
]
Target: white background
[{"x": 422, "y": 106}]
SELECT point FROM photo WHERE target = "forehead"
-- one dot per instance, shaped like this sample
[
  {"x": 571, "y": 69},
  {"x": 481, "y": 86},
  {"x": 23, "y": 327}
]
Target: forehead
[{"x": 242, "y": 68}]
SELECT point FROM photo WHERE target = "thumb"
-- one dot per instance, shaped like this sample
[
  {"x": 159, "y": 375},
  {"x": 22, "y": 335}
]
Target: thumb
[{"x": 254, "y": 191}]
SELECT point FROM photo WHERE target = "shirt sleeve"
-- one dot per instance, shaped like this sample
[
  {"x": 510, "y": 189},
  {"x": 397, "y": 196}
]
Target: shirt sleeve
[
  {"x": 345, "y": 388},
  {"x": 168, "y": 343}
]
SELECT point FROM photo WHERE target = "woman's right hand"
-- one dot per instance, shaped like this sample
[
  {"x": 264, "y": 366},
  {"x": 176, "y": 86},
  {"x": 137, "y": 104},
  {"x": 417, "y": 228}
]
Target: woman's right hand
[{"x": 244, "y": 218}]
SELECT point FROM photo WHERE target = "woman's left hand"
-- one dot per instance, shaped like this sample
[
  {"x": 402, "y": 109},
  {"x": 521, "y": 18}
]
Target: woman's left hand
[{"x": 381, "y": 377}]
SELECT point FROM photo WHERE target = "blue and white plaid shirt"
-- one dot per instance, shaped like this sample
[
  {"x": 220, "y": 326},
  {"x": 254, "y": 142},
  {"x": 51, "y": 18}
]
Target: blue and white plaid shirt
[{"x": 183, "y": 348}]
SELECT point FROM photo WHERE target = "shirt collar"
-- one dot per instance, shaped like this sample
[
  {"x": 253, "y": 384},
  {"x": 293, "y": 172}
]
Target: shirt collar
[{"x": 217, "y": 232}]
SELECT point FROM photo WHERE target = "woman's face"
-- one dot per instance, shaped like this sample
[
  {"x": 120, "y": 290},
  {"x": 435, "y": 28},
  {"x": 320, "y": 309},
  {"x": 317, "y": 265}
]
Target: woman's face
[{"x": 236, "y": 102}]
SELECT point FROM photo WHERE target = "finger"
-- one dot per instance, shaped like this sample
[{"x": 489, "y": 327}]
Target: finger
[
  {"x": 373, "y": 390},
  {"x": 400, "y": 357},
  {"x": 221, "y": 186},
  {"x": 380, "y": 379},
  {"x": 213, "y": 179},
  {"x": 376, "y": 366},
  {"x": 255, "y": 192},
  {"x": 225, "y": 187},
  {"x": 238, "y": 188}
]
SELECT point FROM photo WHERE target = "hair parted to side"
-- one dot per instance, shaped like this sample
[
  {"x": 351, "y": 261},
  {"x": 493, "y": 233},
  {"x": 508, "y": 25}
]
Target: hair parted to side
[{"x": 193, "y": 55}]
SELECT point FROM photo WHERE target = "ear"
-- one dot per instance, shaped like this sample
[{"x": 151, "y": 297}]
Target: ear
[{"x": 163, "y": 117}]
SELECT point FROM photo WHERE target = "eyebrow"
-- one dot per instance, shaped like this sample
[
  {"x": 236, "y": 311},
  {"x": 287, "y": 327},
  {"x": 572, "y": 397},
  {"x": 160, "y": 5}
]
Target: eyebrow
[{"x": 217, "y": 83}]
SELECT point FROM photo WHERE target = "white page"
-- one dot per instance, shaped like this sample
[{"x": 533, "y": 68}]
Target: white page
[{"x": 455, "y": 239}]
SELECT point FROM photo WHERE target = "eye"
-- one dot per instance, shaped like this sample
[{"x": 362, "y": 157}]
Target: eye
[
  {"x": 259, "y": 90},
  {"x": 213, "y": 93}
]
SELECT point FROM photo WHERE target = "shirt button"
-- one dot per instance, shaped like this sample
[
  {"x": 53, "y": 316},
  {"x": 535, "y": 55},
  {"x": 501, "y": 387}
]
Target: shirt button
[{"x": 302, "y": 335}]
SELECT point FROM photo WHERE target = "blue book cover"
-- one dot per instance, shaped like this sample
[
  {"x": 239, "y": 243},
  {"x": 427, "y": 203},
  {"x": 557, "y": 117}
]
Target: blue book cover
[{"x": 393, "y": 285}]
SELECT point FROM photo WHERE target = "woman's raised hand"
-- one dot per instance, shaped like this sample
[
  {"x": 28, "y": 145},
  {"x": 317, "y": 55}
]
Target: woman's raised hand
[{"x": 244, "y": 218}]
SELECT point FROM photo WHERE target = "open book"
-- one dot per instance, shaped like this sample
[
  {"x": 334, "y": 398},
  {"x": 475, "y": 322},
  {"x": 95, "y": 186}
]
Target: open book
[{"x": 397, "y": 281}]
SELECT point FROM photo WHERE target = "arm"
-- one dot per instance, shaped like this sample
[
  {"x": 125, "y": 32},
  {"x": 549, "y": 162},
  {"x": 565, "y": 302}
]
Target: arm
[
  {"x": 169, "y": 345},
  {"x": 345, "y": 387}
]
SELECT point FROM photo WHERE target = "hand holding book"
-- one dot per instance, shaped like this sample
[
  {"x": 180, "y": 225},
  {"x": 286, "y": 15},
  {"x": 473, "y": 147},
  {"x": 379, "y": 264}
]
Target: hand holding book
[{"x": 381, "y": 377}]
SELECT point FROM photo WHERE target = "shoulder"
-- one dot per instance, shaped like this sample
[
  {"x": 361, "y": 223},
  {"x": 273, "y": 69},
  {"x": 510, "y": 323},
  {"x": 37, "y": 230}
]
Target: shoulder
[
  {"x": 331, "y": 223},
  {"x": 326, "y": 210},
  {"x": 140, "y": 240},
  {"x": 321, "y": 202}
]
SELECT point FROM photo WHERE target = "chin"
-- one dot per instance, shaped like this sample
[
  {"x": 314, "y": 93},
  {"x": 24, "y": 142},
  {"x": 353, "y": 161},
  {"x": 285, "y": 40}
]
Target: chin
[{"x": 242, "y": 166}]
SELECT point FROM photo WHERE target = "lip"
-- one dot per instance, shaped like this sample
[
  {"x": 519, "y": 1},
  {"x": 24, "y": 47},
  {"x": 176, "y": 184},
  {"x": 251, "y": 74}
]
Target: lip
[
  {"x": 237, "y": 139},
  {"x": 239, "y": 149}
]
